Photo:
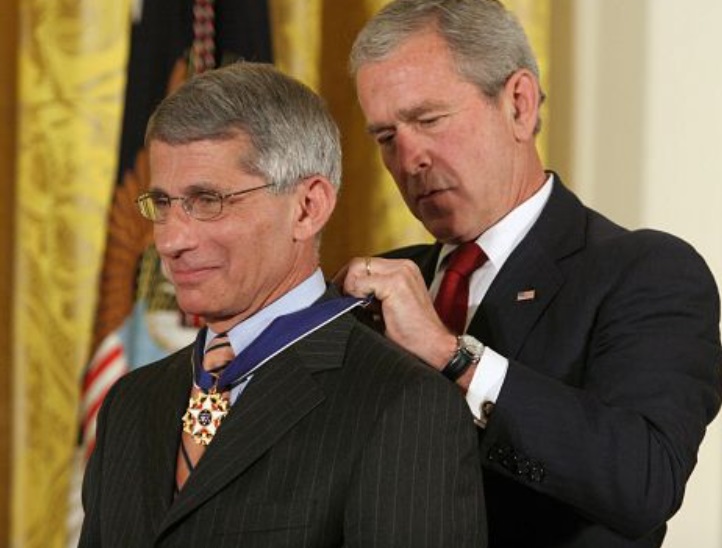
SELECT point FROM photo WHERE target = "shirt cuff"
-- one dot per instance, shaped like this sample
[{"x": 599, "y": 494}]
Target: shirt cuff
[{"x": 486, "y": 383}]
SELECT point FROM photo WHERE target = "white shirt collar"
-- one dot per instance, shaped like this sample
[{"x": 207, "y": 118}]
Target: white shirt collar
[
  {"x": 501, "y": 239},
  {"x": 301, "y": 296}
]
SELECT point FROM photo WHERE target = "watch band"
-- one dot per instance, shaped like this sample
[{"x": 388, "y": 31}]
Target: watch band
[{"x": 462, "y": 359}]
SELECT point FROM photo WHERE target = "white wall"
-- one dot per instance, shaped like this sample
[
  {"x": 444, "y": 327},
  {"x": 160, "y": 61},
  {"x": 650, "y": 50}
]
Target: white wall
[
  {"x": 683, "y": 193},
  {"x": 647, "y": 151}
]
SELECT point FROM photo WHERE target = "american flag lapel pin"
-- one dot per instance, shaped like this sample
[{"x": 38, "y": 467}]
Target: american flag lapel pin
[{"x": 526, "y": 295}]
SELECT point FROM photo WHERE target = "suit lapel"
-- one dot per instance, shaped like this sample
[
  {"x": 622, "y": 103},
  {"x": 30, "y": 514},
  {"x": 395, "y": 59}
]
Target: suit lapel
[
  {"x": 161, "y": 446},
  {"x": 520, "y": 293},
  {"x": 531, "y": 276},
  {"x": 427, "y": 263},
  {"x": 529, "y": 279},
  {"x": 281, "y": 393},
  {"x": 507, "y": 312}
]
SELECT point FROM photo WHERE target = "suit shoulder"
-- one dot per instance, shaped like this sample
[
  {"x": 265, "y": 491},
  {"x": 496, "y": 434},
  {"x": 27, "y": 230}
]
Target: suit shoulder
[
  {"x": 656, "y": 239},
  {"x": 387, "y": 385},
  {"x": 668, "y": 250},
  {"x": 651, "y": 262},
  {"x": 654, "y": 245},
  {"x": 377, "y": 355},
  {"x": 606, "y": 234},
  {"x": 169, "y": 365}
]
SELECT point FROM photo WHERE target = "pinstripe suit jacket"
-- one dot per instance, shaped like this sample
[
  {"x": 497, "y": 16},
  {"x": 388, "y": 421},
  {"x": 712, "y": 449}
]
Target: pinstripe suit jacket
[{"x": 341, "y": 440}]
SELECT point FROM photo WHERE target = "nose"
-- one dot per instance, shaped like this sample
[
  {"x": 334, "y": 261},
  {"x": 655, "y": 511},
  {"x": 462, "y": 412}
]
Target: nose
[
  {"x": 177, "y": 235},
  {"x": 412, "y": 154}
]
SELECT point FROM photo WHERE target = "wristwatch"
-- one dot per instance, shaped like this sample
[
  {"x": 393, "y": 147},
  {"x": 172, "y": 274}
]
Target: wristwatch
[{"x": 468, "y": 352}]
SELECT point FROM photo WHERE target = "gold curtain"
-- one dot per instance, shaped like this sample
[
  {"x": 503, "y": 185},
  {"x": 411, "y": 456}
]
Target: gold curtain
[
  {"x": 71, "y": 74},
  {"x": 312, "y": 39},
  {"x": 8, "y": 62},
  {"x": 535, "y": 16}
]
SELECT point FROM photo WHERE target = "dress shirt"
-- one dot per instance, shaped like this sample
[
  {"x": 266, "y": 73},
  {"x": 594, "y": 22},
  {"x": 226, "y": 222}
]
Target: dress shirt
[
  {"x": 243, "y": 334},
  {"x": 498, "y": 242}
]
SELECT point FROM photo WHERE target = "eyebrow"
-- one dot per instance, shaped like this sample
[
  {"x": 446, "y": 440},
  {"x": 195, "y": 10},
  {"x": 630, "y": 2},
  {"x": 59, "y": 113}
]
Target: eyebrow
[
  {"x": 202, "y": 186},
  {"x": 407, "y": 115}
]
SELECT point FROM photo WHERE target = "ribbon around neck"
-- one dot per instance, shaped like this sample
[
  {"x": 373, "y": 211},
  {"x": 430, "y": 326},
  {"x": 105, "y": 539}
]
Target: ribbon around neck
[{"x": 281, "y": 333}]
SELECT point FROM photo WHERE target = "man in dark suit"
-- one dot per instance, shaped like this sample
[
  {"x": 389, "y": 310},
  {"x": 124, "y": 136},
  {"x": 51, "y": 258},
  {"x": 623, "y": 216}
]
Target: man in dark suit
[
  {"x": 589, "y": 354},
  {"x": 304, "y": 428}
]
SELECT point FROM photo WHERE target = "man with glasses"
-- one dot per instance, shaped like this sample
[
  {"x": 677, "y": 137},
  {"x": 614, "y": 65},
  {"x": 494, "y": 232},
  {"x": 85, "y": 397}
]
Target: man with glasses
[
  {"x": 288, "y": 423},
  {"x": 589, "y": 354}
]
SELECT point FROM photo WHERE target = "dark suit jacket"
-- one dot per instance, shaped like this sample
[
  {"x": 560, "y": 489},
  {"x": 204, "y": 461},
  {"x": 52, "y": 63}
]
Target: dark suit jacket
[
  {"x": 614, "y": 374},
  {"x": 341, "y": 440}
]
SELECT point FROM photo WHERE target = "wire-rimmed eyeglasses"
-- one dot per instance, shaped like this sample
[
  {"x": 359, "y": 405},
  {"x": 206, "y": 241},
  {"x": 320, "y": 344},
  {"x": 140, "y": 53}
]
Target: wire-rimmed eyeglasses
[{"x": 203, "y": 205}]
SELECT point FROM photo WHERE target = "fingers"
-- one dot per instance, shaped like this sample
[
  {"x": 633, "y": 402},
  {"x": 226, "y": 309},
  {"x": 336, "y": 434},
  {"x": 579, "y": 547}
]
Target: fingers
[
  {"x": 407, "y": 309},
  {"x": 369, "y": 290},
  {"x": 351, "y": 277},
  {"x": 383, "y": 278},
  {"x": 340, "y": 276},
  {"x": 365, "y": 276}
]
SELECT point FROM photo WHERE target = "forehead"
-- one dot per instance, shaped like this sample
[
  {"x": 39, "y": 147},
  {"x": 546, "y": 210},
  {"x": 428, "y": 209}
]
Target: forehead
[
  {"x": 420, "y": 72},
  {"x": 198, "y": 164}
]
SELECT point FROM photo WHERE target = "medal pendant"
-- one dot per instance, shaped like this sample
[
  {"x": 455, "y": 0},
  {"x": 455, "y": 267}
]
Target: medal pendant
[{"x": 204, "y": 415}]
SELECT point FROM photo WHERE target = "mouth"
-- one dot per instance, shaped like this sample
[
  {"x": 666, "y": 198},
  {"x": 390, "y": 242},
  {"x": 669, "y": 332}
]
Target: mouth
[
  {"x": 183, "y": 276},
  {"x": 431, "y": 194}
]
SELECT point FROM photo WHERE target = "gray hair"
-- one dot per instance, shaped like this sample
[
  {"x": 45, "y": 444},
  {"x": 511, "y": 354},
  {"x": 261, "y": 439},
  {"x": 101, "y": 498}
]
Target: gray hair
[
  {"x": 486, "y": 40},
  {"x": 291, "y": 131}
]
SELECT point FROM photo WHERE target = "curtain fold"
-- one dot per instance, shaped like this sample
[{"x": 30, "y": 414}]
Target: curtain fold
[
  {"x": 71, "y": 60},
  {"x": 8, "y": 77}
]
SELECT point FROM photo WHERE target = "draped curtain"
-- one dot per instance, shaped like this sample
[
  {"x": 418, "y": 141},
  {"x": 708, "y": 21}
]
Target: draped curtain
[
  {"x": 8, "y": 61},
  {"x": 71, "y": 57}
]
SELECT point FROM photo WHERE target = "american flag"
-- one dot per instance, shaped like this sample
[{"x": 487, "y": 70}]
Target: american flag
[{"x": 107, "y": 366}]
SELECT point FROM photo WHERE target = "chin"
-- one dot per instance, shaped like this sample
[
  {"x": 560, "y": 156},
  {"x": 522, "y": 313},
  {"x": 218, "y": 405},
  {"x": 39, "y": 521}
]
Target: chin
[
  {"x": 191, "y": 306},
  {"x": 439, "y": 229}
]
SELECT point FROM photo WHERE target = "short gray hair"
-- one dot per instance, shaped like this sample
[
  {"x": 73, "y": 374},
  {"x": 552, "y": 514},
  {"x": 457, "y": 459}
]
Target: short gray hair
[
  {"x": 486, "y": 40},
  {"x": 291, "y": 131}
]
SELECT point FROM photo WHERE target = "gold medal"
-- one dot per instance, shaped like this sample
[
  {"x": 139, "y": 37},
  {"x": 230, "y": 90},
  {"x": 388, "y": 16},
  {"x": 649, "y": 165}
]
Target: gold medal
[{"x": 204, "y": 415}]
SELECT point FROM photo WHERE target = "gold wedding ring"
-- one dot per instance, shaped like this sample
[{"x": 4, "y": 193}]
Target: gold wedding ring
[{"x": 368, "y": 266}]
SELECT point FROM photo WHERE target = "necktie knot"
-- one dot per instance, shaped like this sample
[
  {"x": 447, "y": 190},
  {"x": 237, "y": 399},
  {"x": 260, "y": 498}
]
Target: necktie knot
[
  {"x": 218, "y": 354},
  {"x": 466, "y": 259},
  {"x": 452, "y": 301}
]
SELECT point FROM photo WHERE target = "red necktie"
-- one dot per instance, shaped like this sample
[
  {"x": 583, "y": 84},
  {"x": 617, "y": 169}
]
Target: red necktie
[
  {"x": 452, "y": 301},
  {"x": 218, "y": 355}
]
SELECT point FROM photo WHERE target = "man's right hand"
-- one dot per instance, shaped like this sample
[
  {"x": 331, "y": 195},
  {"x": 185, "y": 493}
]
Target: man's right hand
[{"x": 408, "y": 312}]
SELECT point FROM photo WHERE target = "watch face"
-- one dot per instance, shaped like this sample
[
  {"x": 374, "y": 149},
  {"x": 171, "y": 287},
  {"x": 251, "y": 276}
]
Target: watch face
[{"x": 471, "y": 345}]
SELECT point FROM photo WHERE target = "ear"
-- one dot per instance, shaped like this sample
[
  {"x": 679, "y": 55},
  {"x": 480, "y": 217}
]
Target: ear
[
  {"x": 315, "y": 201},
  {"x": 522, "y": 93}
]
